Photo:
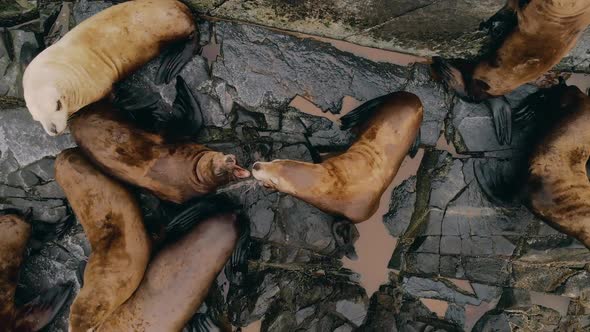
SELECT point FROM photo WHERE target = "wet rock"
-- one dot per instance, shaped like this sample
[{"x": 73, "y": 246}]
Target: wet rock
[
  {"x": 400, "y": 212},
  {"x": 83, "y": 9},
  {"x": 50, "y": 210},
  {"x": 7, "y": 191},
  {"x": 437, "y": 289},
  {"x": 352, "y": 310},
  {"x": 26, "y": 139},
  {"x": 17, "y": 12},
  {"x": 17, "y": 48}
]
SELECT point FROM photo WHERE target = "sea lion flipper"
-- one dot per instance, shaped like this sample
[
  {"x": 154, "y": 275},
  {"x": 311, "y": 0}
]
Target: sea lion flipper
[
  {"x": 450, "y": 75},
  {"x": 502, "y": 116},
  {"x": 362, "y": 113},
  {"x": 501, "y": 23},
  {"x": 345, "y": 234},
  {"x": 186, "y": 118},
  {"x": 498, "y": 179},
  {"x": 416, "y": 145},
  {"x": 199, "y": 209},
  {"x": 42, "y": 232},
  {"x": 175, "y": 58},
  {"x": 201, "y": 323},
  {"x": 39, "y": 312},
  {"x": 80, "y": 272},
  {"x": 238, "y": 261}
]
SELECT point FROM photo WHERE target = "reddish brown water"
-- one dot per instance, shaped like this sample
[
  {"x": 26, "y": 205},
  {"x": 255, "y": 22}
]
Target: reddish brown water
[
  {"x": 437, "y": 306},
  {"x": 253, "y": 327}
]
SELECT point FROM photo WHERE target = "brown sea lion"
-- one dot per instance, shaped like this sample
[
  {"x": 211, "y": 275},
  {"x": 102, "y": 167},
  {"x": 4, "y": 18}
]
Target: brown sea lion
[
  {"x": 179, "y": 277},
  {"x": 175, "y": 172},
  {"x": 33, "y": 316},
  {"x": 113, "y": 224},
  {"x": 82, "y": 67},
  {"x": 558, "y": 183},
  {"x": 544, "y": 32},
  {"x": 351, "y": 184}
]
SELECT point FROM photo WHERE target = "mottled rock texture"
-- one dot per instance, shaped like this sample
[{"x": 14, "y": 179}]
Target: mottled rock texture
[{"x": 497, "y": 267}]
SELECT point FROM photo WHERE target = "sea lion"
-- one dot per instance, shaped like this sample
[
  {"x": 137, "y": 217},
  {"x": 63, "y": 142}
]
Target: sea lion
[
  {"x": 15, "y": 233},
  {"x": 544, "y": 32},
  {"x": 113, "y": 224},
  {"x": 558, "y": 186},
  {"x": 82, "y": 67},
  {"x": 351, "y": 184},
  {"x": 179, "y": 276},
  {"x": 175, "y": 172}
]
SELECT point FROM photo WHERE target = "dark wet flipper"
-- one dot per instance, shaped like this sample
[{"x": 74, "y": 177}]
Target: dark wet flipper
[
  {"x": 450, "y": 75},
  {"x": 36, "y": 314},
  {"x": 502, "y": 117},
  {"x": 42, "y": 232},
  {"x": 501, "y": 23},
  {"x": 360, "y": 114},
  {"x": 175, "y": 57},
  {"x": 132, "y": 100},
  {"x": 238, "y": 261},
  {"x": 201, "y": 323},
  {"x": 499, "y": 179},
  {"x": 80, "y": 272},
  {"x": 201, "y": 209},
  {"x": 345, "y": 235},
  {"x": 186, "y": 118},
  {"x": 416, "y": 145}
]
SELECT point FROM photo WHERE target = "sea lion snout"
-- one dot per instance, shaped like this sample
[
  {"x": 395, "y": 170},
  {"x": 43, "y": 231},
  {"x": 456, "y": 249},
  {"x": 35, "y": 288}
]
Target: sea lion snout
[{"x": 224, "y": 164}]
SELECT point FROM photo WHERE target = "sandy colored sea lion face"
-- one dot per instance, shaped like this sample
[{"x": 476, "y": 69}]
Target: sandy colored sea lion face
[
  {"x": 275, "y": 174},
  {"x": 48, "y": 107}
]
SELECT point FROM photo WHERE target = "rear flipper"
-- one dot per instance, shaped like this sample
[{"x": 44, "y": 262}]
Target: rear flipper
[
  {"x": 502, "y": 115},
  {"x": 416, "y": 145},
  {"x": 238, "y": 262},
  {"x": 362, "y": 113},
  {"x": 450, "y": 75},
  {"x": 42, "y": 232},
  {"x": 201, "y": 323},
  {"x": 345, "y": 235},
  {"x": 199, "y": 209},
  {"x": 150, "y": 112},
  {"x": 500, "y": 180},
  {"x": 175, "y": 58},
  {"x": 36, "y": 314}
]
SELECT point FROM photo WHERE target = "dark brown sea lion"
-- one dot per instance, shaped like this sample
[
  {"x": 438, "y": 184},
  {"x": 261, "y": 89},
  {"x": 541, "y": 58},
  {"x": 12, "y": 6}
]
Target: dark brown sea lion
[
  {"x": 14, "y": 236},
  {"x": 544, "y": 32},
  {"x": 351, "y": 184},
  {"x": 82, "y": 67},
  {"x": 175, "y": 172},
  {"x": 558, "y": 183},
  {"x": 113, "y": 224},
  {"x": 180, "y": 275}
]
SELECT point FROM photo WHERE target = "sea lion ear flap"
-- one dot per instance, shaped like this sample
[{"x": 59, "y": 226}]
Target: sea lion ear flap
[
  {"x": 175, "y": 58},
  {"x": 36, "y": 314},
  {"x": 360, "y": 114},
  {"x": 199, "y": 209}
]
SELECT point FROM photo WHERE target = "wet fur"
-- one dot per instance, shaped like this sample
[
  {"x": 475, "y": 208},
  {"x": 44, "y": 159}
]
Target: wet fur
[
  {"x": 113, "y": 224},
  {"x": 352, "y": 183},
  {"x": 176, "y": 172},
  {"x": 546, "y": 32}
]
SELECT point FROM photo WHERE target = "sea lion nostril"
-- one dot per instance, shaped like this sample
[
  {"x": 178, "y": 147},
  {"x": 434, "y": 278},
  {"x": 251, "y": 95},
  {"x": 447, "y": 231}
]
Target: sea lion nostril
[
  {"x": 53, "y": 129},
  {"x": 256, "y": 167}
]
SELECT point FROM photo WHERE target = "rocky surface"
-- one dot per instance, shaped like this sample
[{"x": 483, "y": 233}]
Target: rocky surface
[{"x": 496, "y": 266}]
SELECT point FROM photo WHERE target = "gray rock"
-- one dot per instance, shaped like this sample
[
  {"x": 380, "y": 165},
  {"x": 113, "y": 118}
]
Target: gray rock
[
  {"x": 50, "y": 210},
  {"x": 352, "y": 310},
  {"x": 437, "y": 289}
]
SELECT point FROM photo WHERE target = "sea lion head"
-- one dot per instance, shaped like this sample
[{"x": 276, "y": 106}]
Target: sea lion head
[
  {"x": 225, "y": 168},
  {"x": 48, "y": 106},
  {"x": 288, "y": 176}
]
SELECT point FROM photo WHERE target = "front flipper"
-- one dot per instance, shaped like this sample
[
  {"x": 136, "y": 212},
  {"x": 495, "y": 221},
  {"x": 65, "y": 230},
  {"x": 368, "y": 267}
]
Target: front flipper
[
  {"x": 175, "y": 58},
  {"x": 238, "y": 261},
  {"x": 42, "y": 232},
  {"x": 199, "y": 209},
  {"x": 416, "y": 145},
  {"x": 502, "y": 116},
  {"x": 360, "y": 114},
  {"x": 345, "y": 234},
  {"x": 450, "y": 75},
  {"x": 186, "y": 117},
  {"x": 36, "y": 314},
  {"x": 201, "y": 323},
  {"x": 80, "y": 272},
  {"x": 500, "y": 180}
]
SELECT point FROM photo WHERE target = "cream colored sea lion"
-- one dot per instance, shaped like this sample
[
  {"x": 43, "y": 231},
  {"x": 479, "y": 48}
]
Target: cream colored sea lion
[
  {"x": 352, "y": 183},
  {"x": 179, "y": 277},
  {"x": 82, "y": 67},
  {"x": 33, "y": 316},
  {"x": 558, "y": 182},
  {"x": 176, "y": 172},
  {"x": 113, "y": 224}
]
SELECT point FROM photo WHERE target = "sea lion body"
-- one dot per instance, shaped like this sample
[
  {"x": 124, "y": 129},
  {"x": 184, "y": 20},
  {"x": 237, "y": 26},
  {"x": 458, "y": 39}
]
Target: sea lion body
[
  {"x": 558, "y": 184},
  {"x": 351, "y": 184},
  {"x": 546, "y": 32},
  {"x": 113, "y": 224},
  {"x": 82, "y": 67},
  {"x": 14, "y": 234},
  {"x": 173, "y": 172},
  {"x": 178, "y": 279}
]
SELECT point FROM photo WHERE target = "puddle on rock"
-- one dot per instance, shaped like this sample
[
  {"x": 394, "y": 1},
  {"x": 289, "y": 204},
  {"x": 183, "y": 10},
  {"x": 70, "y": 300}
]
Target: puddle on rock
[
  {"x": 439, "y": 307},
  {"x": 253, "y": 327}
]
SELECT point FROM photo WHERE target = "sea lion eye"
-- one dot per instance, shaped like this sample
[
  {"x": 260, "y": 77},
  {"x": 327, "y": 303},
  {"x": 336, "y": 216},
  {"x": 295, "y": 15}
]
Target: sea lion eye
[{"x": 58, "y": 108}]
